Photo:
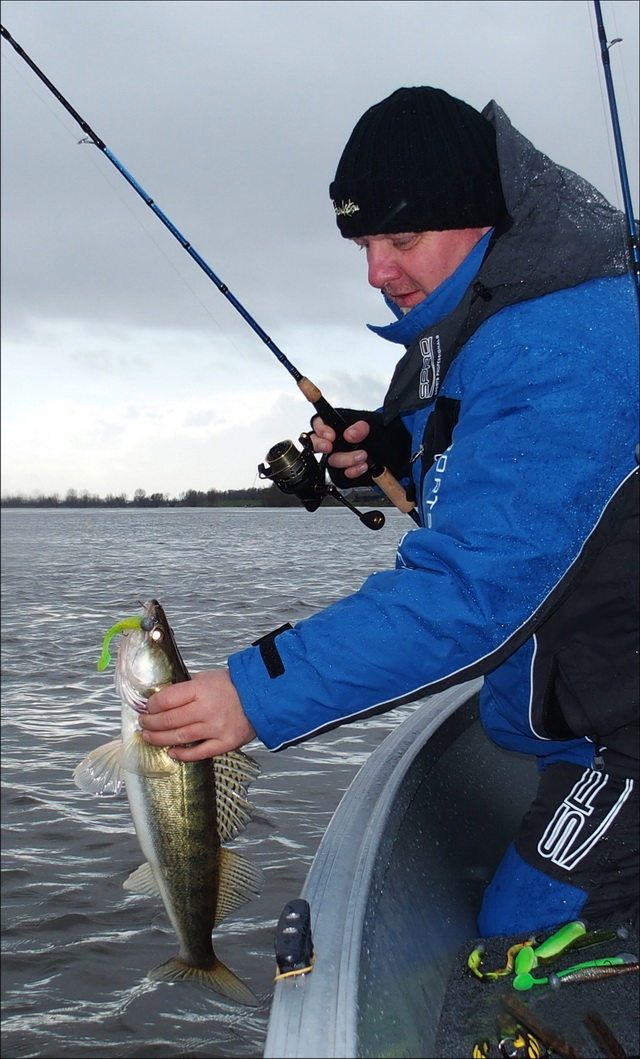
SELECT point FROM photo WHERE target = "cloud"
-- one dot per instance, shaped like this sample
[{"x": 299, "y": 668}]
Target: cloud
[
  {"x": 165, "y": 447},
  {"x": 232, "y": 117},
  {"x": 128, "y": 416}
]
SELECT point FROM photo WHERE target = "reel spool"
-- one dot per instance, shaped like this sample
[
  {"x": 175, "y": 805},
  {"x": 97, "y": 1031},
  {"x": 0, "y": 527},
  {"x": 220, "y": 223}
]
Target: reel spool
[{"x": 298, "y": 473}]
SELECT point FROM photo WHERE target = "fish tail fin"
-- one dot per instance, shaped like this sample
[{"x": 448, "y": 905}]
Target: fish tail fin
[{"x": 216, "y": 977}]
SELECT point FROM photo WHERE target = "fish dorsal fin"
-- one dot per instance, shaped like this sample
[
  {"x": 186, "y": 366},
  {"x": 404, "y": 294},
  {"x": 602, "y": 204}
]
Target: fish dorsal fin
[
  {"x": 233, "y": 774},
  {"x": 101, "y": 772},
  {"x": 146, "y": 760},
  {"x": 142, "y": 881},
  {"x": 240, "y": 881}
]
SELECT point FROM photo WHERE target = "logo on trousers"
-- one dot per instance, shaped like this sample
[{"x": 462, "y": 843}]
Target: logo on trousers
[{"x": 571, "y": 834}]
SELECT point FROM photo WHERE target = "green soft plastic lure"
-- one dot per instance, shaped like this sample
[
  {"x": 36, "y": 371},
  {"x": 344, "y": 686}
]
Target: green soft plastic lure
[
  {"x": 120, "y": 626},
  {"x": 550, "y": 949}
]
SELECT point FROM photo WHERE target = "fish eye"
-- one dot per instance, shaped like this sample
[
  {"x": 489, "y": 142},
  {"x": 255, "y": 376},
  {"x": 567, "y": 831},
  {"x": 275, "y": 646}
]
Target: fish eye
[{"x": 157, "y": 635}]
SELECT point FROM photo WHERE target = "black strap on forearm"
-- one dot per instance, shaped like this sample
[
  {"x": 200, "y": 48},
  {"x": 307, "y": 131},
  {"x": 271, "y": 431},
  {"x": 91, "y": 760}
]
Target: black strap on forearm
[{"x": 270, "y": 654}]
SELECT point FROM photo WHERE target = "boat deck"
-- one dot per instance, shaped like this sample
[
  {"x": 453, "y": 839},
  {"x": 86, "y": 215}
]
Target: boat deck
[{"x": 394, "y": 892}]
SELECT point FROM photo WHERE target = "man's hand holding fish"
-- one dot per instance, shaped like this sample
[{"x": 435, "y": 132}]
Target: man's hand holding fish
[{"x": 205, "y": 710}]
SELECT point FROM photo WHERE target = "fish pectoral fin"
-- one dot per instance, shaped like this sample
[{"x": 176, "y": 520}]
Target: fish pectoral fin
[
  {"x": 143, "y": 881},
  {"x": 233, "y": 774},
  {"x": 217, "y": 977},
  {"x": 145, "y": 759},
  {"x": 239, "y": 882},
  {"x": 100, "y": 772}
]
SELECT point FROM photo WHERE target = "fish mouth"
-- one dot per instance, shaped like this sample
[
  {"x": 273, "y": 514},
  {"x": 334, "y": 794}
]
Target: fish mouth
[{"x": 148, "y": 659}]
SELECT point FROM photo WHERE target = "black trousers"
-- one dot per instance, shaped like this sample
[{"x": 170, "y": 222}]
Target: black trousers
[{"x": 575, "y": 856}]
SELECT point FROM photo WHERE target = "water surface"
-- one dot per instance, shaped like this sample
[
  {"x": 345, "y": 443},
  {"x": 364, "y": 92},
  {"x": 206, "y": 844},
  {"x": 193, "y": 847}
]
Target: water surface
[{"x": 76, "y": 946}]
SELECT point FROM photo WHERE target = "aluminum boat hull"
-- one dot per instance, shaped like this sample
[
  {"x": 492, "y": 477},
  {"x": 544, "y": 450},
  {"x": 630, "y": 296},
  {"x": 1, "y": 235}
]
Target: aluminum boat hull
[{"x": 396, "y": 885}]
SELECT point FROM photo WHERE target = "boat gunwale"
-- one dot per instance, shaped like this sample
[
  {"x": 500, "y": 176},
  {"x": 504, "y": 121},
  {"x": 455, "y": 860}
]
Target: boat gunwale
[{"x": 316, "y": 1015}]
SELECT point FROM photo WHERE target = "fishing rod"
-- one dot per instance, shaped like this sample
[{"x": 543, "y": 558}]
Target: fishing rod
[
  {"x": 605, "y": 46},
  {"x": 292, "y": 471}
]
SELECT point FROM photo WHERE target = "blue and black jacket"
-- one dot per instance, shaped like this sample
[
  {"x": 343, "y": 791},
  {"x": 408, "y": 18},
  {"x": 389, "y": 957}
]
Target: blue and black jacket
[{"x": 518, "y": 394}]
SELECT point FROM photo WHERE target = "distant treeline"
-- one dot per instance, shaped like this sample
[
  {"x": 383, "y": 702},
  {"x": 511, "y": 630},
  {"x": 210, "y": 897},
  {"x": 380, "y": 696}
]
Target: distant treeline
[{"x": 270, "y": 496}]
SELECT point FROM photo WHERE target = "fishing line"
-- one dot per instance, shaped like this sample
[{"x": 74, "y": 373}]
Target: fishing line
[
  {"x": 40, "y": 96},
  {"x": 252, "y": 363},
  {"x": 623, "y": 60},
  {"x": 381, "y": 476},
  {"x": 632, "y": 228},
  {"x": 613, "y": 169}
]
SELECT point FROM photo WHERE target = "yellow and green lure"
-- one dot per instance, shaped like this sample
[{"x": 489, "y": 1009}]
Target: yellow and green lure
[
  {"x": 474, "y": 962},
  {"x": 120, "y": 626}
]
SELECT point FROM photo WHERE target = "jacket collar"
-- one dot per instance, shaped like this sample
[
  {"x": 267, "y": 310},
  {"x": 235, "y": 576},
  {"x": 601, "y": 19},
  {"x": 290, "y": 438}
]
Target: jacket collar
[{"x": 442, "y": 301}]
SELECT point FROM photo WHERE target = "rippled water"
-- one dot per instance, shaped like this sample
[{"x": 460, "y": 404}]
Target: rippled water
[{"x": 76, "y": 946}]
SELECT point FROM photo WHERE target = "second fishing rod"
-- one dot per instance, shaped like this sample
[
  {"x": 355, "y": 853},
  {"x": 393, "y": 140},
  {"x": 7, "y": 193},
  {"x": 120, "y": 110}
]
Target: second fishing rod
[{"x": 293, "y": 471}]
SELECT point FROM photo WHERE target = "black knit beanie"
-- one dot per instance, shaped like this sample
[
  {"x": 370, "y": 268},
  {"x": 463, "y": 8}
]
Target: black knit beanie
[{"x": 419, "y": 161}]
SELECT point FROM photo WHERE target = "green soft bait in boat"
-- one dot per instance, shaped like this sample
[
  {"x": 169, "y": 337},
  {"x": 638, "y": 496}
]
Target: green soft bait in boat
[{"x": 528, "y": 958}]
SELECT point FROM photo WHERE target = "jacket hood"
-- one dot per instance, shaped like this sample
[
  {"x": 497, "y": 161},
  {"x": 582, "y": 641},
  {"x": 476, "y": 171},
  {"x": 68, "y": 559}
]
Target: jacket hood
[{"x": 562, "y": 232}]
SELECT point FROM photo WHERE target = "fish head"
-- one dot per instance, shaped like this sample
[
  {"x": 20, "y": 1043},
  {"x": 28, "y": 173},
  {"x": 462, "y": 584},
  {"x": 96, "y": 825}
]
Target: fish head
[{"x": 148, "y": 658}]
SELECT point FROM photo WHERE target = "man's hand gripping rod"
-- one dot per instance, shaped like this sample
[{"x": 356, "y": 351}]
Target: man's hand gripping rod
[{"x": 382, "y": 477}]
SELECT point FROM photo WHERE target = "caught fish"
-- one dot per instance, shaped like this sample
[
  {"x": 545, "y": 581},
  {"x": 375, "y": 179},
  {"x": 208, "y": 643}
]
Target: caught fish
[{"x": 182, "y": 811}]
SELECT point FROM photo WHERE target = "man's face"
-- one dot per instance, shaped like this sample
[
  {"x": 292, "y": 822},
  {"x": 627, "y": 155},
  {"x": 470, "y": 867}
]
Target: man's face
[{"x": 408, "y": 266}]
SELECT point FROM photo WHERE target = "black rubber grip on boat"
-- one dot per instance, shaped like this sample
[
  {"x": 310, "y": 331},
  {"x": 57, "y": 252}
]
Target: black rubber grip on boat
[{"x": 294, "y": 941}]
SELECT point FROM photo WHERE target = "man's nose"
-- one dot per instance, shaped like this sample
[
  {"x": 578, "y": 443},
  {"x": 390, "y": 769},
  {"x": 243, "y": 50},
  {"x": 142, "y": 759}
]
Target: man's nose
[{"x": 382, "y": 265}]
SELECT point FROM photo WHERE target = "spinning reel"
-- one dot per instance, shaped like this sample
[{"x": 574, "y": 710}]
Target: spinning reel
[{"x": 297, "y": 472}]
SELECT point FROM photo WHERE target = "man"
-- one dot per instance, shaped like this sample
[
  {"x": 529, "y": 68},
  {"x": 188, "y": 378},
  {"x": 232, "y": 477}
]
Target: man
[{"x": 511, "y": 417}]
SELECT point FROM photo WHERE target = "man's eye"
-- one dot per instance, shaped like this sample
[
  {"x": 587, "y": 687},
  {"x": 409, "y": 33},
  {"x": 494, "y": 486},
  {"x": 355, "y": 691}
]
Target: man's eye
[{"x": 405, "y": 243}]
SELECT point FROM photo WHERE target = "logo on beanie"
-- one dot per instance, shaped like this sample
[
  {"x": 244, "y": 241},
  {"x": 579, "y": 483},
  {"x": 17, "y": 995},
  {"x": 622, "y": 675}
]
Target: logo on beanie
[
  {"x": 345, "y": 209},
  {"x": 430, "y": 374}
]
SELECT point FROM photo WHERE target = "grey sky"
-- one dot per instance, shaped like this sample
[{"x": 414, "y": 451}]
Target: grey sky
[{"x": 123, "y": 367}]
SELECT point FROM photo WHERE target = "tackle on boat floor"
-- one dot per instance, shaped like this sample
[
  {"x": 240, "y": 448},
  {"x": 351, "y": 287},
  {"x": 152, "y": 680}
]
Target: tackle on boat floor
[{"x": 486, "y": 1016}]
